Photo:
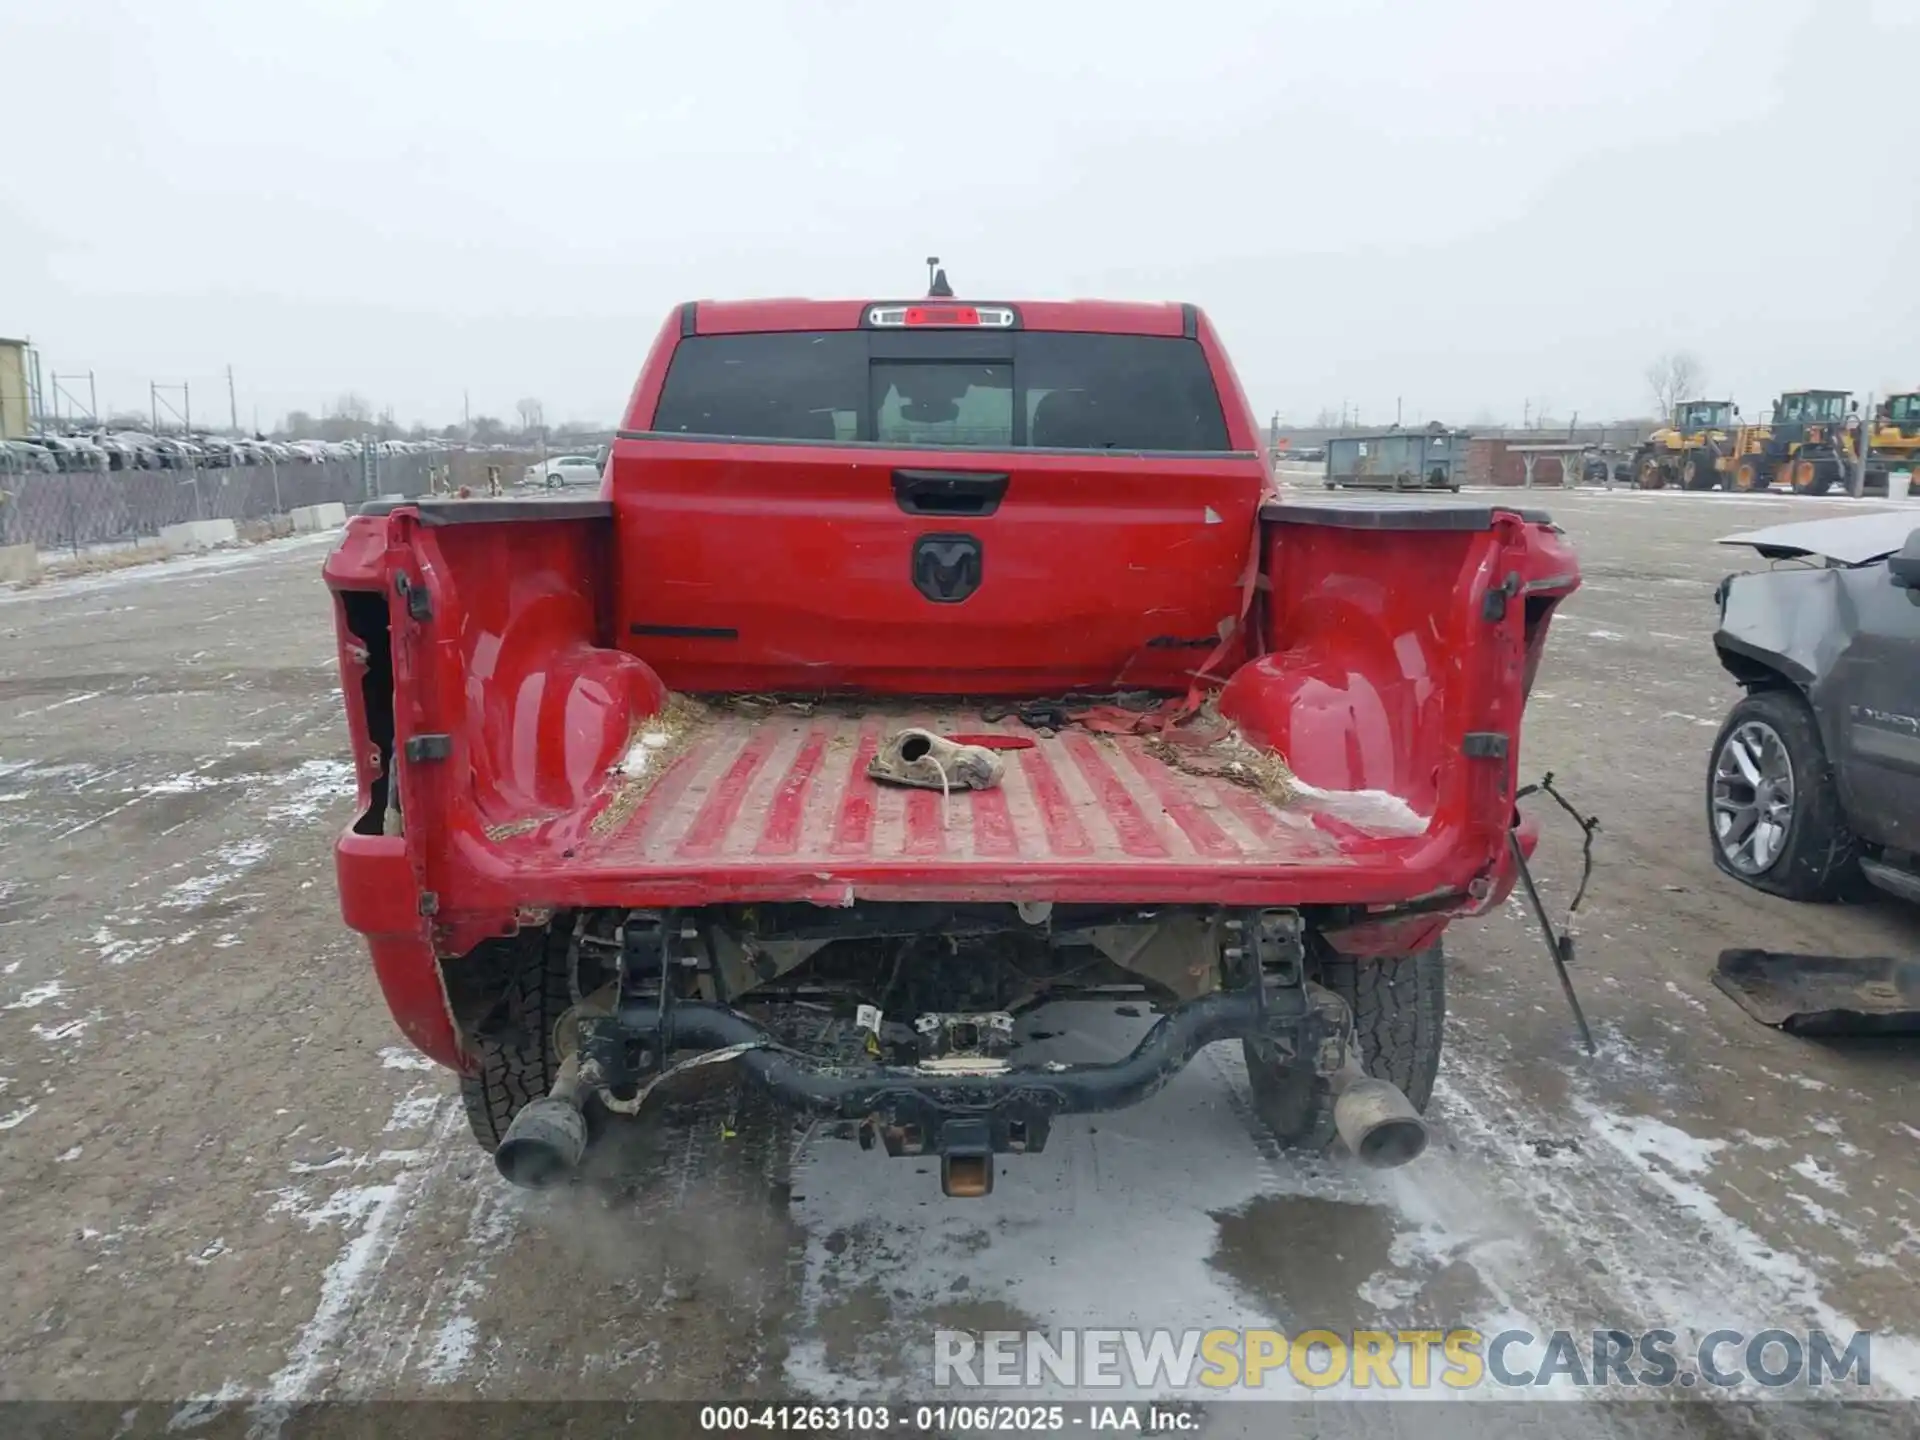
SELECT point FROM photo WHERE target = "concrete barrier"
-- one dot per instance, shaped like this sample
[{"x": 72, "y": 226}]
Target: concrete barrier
[
  {"x": 310, "y": 518},
  {"x": 197, "y": 535},
  {"x": 19, "y": 563}
]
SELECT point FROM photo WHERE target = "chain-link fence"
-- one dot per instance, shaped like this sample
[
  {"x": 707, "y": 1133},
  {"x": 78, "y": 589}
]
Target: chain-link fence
[{"x": 70, "y": 510}]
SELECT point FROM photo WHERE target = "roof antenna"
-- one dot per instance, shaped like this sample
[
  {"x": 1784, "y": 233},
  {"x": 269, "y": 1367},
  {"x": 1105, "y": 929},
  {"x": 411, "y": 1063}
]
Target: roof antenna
[{"x": 937, "y": 286}]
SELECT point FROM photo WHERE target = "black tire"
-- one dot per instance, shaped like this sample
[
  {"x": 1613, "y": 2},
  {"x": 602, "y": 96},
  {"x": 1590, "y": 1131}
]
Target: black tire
[
  {"x": 1399, "y": 1005},
  {"x": 729, "y": 1137},
  {"x": 515, "y": 1043},
  {"x": 1751, "y": 474},
  {"x": 1815, "y": 474},
  {"x": 1820, "y": 858},
  {"x": 1697, "y": 472},
  {"x": 1649, "y": 471}
]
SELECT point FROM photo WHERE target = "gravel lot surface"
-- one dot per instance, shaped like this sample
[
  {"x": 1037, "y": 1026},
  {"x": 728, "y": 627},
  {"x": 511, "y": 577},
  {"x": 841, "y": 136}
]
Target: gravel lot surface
[{"x": 224, "y": 1177}]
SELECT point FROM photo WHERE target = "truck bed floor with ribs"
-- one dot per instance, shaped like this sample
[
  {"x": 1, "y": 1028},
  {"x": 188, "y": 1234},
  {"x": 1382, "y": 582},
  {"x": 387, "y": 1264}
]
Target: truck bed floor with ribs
[{"x": 777, "y": 803}]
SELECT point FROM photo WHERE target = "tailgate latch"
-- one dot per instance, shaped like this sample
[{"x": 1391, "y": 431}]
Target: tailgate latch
[
  {"x": 421, "y": 748},
  {"x": 1494, "y": 607},
  {"x": 419, "y": 603}
]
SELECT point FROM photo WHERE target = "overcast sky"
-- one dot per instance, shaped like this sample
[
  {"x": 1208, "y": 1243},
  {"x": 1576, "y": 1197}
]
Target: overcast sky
[{"x": 1471, "y": 204}]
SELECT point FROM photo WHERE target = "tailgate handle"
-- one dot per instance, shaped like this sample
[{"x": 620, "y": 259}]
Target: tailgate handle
[{"x": 948, "y": 492}]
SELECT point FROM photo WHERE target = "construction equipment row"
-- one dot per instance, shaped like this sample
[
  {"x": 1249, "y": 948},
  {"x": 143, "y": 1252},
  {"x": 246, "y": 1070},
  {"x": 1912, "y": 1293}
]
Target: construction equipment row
[{"x": 1811, "y": 444}]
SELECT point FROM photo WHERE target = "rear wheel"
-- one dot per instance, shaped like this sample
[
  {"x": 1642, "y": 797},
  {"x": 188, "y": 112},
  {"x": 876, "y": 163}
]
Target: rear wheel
[
  {"x": 1650, "y": 471},
  {"x": 704, "y": 1134},
  {"x": 515, "y": 1040},
  {"x": 1399, "y": 1005},
  {"x": 1697, "y": 471}
]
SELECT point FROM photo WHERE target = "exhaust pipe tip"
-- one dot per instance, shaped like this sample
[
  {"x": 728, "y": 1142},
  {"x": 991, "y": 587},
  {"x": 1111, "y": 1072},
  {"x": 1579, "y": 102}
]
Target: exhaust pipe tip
[
  {"x": 543, "y": 1145},
  {"x": 1379, "y": 1124}
]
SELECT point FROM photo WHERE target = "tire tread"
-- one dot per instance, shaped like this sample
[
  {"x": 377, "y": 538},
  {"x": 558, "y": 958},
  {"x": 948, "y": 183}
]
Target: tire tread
[{"x": 516, "y": 1051}]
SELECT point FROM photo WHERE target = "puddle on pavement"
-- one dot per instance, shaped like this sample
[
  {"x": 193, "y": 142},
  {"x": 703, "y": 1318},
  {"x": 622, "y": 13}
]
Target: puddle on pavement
[
  {"x": 1307, "y": 1262},
  {"x": 865, "y": 1331},
  {"x": 848, "y": 1325}
]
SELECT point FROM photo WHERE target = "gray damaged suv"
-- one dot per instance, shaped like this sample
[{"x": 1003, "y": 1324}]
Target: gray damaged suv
[{"x": 1814, "y": 781}]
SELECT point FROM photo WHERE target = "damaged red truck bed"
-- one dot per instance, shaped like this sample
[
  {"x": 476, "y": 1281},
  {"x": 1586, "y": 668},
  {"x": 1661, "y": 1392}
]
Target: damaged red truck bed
[
  {"x": 614, "y": 751},
  {"x": 779, "y": 804},
  {"x": 759, "y": 800}
]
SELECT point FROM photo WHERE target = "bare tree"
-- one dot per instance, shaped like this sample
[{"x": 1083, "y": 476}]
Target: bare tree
[
  {"x": 351, "y": 407},
  {"x": 1674, "y": 377}
]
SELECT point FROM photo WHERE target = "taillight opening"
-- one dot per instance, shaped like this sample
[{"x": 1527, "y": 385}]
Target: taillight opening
[{"x": 367, "y": 621}]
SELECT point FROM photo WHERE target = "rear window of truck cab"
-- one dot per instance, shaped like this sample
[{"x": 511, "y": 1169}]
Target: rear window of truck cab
[{"x": 949, "y": 389}]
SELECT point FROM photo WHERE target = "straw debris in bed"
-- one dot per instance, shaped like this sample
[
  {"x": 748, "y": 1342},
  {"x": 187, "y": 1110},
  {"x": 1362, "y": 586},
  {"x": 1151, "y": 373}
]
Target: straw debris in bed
[
  {"x": 656, "y": 742},
  {"x": 1232, "y": 759},
  {"x": 526, "y": 825}
]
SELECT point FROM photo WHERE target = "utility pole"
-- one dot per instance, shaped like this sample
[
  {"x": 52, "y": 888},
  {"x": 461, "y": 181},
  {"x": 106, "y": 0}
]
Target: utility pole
[
  {"x": 1857, "y": 482},
  {"x": 183, "y": 413},
  {"x": 36, "y": 390},
  {"x": 1396, "y": 412},
  {"x": 60, "y": 392},
  {"x": 233, "y": 410}
]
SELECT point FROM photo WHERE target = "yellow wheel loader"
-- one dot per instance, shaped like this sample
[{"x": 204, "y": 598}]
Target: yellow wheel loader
[
  {"x": 1687, "y": 451},
  {"x": 1895, "y": 435},
  {"x": 1810, "y": 444}
]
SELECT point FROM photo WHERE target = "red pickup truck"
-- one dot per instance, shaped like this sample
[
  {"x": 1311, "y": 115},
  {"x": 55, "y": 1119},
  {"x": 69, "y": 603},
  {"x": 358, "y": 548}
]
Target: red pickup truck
[{"x": 916, "y": 663}]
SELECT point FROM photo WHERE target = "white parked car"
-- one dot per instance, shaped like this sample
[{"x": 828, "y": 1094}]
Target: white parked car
[{"x": 559, "y": 470}]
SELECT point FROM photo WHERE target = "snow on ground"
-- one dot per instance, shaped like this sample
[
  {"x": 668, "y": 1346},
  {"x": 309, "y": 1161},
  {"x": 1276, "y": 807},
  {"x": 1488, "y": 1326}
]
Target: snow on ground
[
  {"x": 212, "y": 562},
  {"x": 384, "y": 1255}
]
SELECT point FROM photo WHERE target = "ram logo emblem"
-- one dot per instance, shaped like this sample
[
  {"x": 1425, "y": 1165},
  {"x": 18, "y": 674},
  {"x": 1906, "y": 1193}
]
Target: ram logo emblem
[{"x": 946, "y": 568}]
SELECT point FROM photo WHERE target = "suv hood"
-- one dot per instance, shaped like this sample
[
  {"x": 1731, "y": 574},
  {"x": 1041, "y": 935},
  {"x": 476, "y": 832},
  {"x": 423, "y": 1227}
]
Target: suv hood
[{"x": 1845, "y": 540}]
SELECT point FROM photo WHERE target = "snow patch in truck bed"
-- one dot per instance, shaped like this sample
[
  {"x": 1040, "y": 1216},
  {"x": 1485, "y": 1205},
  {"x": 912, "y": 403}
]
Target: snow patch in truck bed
[
  {"x": 644, "y": 749},
  {"x": 1379, "y": 811}
]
